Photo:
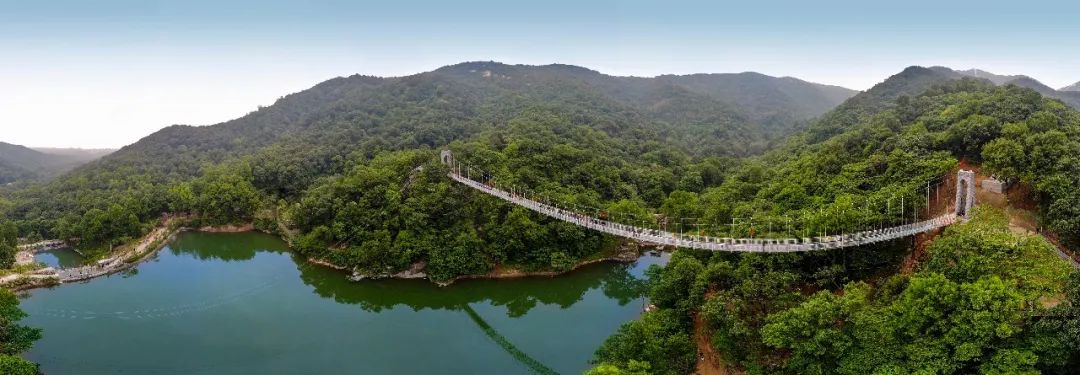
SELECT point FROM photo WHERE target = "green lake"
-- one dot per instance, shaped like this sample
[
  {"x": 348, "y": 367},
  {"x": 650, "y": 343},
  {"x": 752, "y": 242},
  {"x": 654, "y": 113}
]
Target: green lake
[
  {"x": 60, "y": 258},
  {"x": 243, "y": 304}
]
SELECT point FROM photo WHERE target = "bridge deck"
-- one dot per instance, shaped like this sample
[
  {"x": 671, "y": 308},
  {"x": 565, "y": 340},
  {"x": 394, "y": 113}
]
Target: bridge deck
[{"x": 713, "y": 243}]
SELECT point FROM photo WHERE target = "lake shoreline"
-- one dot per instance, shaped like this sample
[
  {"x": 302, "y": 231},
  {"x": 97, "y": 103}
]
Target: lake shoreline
[
  {"x": 627, "y": 253},
  {"x": 150, "y": 245},
  {"x": 243, "y": 285},
  {"x": 622, "y": 257}
]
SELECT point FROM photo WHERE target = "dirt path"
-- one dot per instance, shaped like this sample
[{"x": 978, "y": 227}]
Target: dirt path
[
  {"x": 709, "y": 361},
  {"x": 1021, "y": 210}
]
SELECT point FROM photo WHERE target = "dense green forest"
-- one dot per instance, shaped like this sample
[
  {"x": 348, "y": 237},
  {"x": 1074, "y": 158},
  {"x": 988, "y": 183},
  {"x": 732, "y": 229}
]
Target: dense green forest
[
  {"x": 982, "y": 299},
  {"x": 986, "y": 300},
  {"x": 351, "y": 164},
  {"x": 15, "y": 338}
]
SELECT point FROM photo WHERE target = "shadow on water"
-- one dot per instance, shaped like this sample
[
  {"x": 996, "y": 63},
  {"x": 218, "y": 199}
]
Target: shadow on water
[
  {"x": 615, "y": 281},
  {"x": 239, "y": 247},
  {"x": 535, "y": 366}
]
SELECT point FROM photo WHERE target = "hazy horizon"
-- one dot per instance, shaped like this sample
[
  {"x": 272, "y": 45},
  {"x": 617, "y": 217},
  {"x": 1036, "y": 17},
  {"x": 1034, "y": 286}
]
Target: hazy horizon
[{"x": 105, "y": 74}]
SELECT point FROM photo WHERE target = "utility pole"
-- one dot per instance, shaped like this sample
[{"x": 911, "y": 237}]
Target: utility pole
[
  {"x": 888, "y": 208},
  {"x": 843, "y": 217},
  {"x": 928, "y": 214}
]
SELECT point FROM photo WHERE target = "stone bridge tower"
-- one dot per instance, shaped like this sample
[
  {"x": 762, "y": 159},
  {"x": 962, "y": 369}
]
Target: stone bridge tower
[
  {"x": 965, "y": 192},
  {"x": 447, "y": 157}
]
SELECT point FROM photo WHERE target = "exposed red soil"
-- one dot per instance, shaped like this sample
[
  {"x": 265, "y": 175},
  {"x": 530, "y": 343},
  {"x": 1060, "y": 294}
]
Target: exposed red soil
[{"x": 709, "y": 361}]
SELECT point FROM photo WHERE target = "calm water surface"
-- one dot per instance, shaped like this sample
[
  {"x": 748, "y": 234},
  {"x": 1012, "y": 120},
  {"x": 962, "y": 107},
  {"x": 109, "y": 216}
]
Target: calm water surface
[
  {"x": 60, "y": 258},
  {"x": 242, "y": 304}
]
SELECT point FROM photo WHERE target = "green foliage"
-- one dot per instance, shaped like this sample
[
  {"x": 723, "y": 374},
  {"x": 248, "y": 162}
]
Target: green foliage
[
  {"x": 1056, "y": 334},
  {"x": 223, "y": 196},
  {"x": 351, "y": 163},
  {"x": 977, "y": 304},
  {"x": 674, "y": 286},
  {"x": 15, "y": 365},
  {"x": 563, "y": 117},
  {"x": 659, "y": 339},
  {"x": 970, "y": 309},
  {"x": 632, "y": 368},
  {"x": 14, "y": 338},
  {"x": 106, "y": 227},
  {"x": 746, "y": 293},
  {"x": 986, "y": 246},
  {"x": 9, "y": 241},
  {"x": 817, "y": 331}
]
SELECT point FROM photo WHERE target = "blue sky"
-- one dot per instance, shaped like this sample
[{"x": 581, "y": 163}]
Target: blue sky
[{"x": 106, "y": 73}]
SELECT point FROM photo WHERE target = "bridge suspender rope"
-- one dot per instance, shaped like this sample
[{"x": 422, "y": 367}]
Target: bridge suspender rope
[{"x": 965, "y": 192}]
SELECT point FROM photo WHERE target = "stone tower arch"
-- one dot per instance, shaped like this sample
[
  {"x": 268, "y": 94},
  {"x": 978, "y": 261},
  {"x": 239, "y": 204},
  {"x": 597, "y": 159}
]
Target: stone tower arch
[
  {"x": 447, "y": 157},
  {"x": 965, "y": 192}
]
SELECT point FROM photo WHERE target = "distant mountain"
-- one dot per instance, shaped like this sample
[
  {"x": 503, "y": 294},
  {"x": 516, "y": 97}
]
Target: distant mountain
[
  {"x": 1072, "y": 87},
  {"x": 773, "y": 102},
  {"x": 911, "y": 81},
  {"x": 79, "y": 154},
  {"x": 18, "y": 163},
  {"x": 714, "y": 114},
  {"x": 1066, "y": 95},
  {"x": 768, "y": 100},
  {"x": 997, "y": 79}
]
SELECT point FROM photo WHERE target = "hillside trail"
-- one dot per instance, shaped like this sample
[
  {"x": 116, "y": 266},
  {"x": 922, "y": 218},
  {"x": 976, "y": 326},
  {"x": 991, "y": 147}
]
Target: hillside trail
[
  {"x": 709, "y": 361},
  {"x": 1022, "y": 210},
  {"x": 1017, "y": 202}
]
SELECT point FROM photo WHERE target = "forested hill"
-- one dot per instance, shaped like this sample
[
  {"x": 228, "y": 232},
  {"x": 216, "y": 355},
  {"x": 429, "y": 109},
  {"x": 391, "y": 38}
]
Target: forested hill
[
  {"x": 774, "y": 102},
  {"x": 979, "y": 298},
  {"x": 700, "y": 114},
  {"x": 595, "y": 138},
  {"x": 911, "y": 81},
  {"x": 453, "y": 102},
  {"x": 916, "y": 80}
]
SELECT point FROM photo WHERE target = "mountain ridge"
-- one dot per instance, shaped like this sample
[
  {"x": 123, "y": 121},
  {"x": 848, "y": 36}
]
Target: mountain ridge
[
  {"x": 478, "y": 82},
  {"x": 20, "y": 163},
  {"x": 1067, "y": 95}
]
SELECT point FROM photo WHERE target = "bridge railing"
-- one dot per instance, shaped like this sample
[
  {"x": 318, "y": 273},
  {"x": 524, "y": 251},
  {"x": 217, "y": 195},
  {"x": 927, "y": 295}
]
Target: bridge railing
[{"x": 666, "y": 238}]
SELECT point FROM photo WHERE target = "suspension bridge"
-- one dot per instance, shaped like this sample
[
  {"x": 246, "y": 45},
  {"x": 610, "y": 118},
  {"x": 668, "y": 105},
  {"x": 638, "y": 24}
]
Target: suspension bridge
[{"x": 965, "y": 199}]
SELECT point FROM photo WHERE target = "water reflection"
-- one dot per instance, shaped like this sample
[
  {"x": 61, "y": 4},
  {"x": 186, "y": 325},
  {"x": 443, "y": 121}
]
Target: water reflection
[
  {"x": 372, "y": 295},
  {"x": 60, "y": 258},
  {"x": 616, "y": 281},
  {"x": 243, "y": 305},
  {"x": 229, "y": 247}
]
